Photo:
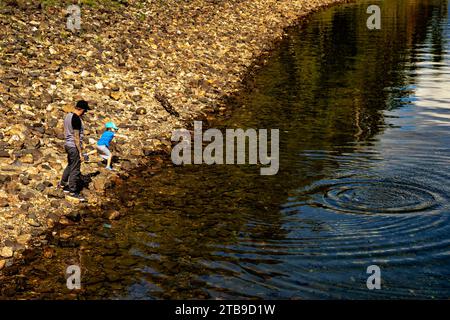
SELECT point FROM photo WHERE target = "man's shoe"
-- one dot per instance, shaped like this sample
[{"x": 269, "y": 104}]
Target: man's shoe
[
  {"x": 77, "y": 196},
  {"x": 63, "y": 187}
]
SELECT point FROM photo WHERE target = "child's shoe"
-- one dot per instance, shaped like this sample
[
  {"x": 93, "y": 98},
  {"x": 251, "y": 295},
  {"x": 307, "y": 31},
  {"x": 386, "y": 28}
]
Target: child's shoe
[{"x": 109, "y": 168}]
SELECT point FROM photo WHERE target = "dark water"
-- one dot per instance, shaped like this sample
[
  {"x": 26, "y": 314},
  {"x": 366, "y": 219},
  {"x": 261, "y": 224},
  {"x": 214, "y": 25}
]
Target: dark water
[{"x": 364, "y": 119}]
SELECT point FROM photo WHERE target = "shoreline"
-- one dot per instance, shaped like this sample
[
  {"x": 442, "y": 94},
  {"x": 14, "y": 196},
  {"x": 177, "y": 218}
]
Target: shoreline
[{"x": 35, "y": 92}]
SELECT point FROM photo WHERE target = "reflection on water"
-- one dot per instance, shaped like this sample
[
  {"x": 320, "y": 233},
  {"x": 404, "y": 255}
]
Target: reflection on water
[{"x": 364, "y": 118}]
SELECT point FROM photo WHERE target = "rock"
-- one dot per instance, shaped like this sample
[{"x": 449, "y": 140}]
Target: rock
[
  {"x": 116, "y": 95},
  {"x": 39, "y": 127},
  {"x": 74, "y": 216},
  {"x": 4, "y": 202},
  {"x": 149, "y": 152},
  {"x": 7, "y": 252},
  {"x": 33, "y": 223},
  {"x": 14, "y": 245},
  {"x": 24, "y": 238},
  {"x": 4, "y": 154},
  {"x": 12, "y": 187},
  {"x": 136, "y": 98},
  {"x": 32, "y": 143},
  {"x": 2, "y": 263},
  {"x": 16, "y": 167},
  {"x": 48, "y": 253},
  {"x": 55, "y": 204},
  {"x": 24, "y": 180},
  {"x": 45, "y": 167},
  {"x": 55, "y": 193},
  {"x": 30, "y": 155},
  {"x": 4, "y": 178},
  {"x": 47, "y": 184},
  {"x": 35, "y": 177},
  {"x": 141, "y": 111},
  {"x": 19, "y": 131},
  {"x": 43, "y": 185},
  {"x": 25, "y": 207},
  {"x": 26, "y": 196},
  {"x": 113, "y": 215},
  {"x": 40, "y": 187},
  {"x": 64, "y": 221},
  {"x": 136, "y": 152},
  {"x": 100, "y": 183}
]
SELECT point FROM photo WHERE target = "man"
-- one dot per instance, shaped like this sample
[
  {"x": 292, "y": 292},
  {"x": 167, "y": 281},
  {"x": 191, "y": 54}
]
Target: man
[{"x": 73, "y": 133}]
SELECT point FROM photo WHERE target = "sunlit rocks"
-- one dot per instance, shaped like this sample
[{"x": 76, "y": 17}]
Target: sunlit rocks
[
  {"x": 6, "y": 252},
  {"x": 150, "y": 67}
]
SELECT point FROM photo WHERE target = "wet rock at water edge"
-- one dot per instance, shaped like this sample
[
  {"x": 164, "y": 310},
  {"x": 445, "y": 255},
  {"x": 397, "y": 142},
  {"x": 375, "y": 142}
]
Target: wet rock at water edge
[
  {"x": 113, "y": 214},
  {"x": 74, "y": 216},
  {"x": 48, "y": 253}
]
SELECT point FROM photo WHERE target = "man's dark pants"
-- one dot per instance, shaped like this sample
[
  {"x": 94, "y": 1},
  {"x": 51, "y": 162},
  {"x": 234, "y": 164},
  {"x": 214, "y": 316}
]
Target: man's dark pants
[{"x": 72, "y": 173}]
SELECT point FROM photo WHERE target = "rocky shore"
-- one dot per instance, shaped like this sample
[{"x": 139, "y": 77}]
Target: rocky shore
[{"x": 191, "y": 54}]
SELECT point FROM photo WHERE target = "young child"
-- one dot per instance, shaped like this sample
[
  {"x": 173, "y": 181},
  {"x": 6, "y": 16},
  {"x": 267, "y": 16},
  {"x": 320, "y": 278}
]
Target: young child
[{"x": 104, "y": 141}]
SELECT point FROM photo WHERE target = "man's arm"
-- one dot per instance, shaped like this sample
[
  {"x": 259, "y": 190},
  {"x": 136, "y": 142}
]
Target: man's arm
[{"x": 76, "y": 135}]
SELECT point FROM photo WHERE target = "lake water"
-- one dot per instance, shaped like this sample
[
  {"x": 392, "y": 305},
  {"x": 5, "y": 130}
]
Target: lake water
[{"x": 364, "y": 119}]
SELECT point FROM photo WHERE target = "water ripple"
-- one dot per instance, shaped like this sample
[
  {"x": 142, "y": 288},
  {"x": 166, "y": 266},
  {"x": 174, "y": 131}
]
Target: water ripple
[{"x": 374, "y": 196}]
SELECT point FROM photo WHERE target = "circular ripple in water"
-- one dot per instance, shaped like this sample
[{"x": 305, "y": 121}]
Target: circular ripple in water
[{"x": 375, "y": 196}]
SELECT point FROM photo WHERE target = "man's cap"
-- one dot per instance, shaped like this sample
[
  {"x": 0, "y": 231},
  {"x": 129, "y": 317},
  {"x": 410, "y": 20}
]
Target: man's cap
[
  {"x": 111, "y": 125},
  {"x": 83, "y": 105}
]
